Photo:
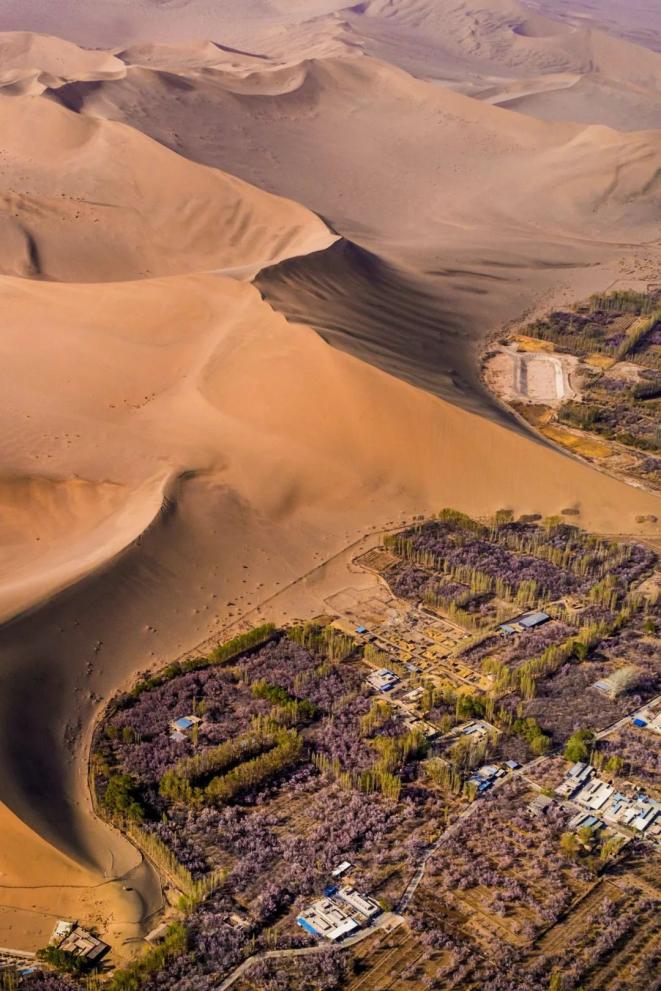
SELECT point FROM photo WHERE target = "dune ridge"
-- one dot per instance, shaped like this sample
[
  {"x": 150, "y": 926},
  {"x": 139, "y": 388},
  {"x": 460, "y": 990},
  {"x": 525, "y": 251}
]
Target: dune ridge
[
  {"x": 159, "y": 214},
  {"x": 56, "y": 531}
]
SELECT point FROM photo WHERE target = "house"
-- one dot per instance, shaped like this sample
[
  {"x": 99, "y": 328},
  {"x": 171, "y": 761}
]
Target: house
[
  {"x": 526, "y": 622},
  {"x": 533, "y": 619},
  {"x": 489, "y": 771},
  {"x": 577, "y": 775},
  {"x": 74, "y": 939},
  {"x": 341, "y": 869},
  {"x": 581, "y": 820},
  {"x": 341, "y": 911},
  {"x": 361, "y": 630},
  {"x": 362, "y": 904},
  {"x": 540, "y": 805},
  {"x": 512, "y": 765},
  {"x": 640, "y": 723},
  {"x": 421, "y": 726},
  {"x": 180, "y": 727},
  {"x": 327, "y": 919},
  {"x": 414, "y": 695},
  {"x": 647, "y": 810},
  {"x": 485, "y": 777},
  {"x": 383, "y": 680},
  {"x": 600, "y": 796}
]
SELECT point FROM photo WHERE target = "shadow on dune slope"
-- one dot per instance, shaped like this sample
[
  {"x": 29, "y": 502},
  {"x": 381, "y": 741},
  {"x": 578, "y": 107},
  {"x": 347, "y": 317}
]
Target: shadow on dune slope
[{"x": 406, "y": 324}]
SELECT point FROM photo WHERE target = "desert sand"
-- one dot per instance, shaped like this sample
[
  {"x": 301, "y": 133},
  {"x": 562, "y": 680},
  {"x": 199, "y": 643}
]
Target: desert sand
[{"x": 247, "y": 263}]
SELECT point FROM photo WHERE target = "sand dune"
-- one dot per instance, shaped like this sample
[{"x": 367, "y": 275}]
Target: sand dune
[
  {"x": 484, "y": 163},
  {"x": 470, "y": 45},
  {"x": 505, "y": 204},
  {"x": 637, "y": 20},
  {"x": 143, "y": 185},
  {"x": 158, "y": 214},
  {"x": 55, "y": 531},
  {"x": 33, "y": 63}
]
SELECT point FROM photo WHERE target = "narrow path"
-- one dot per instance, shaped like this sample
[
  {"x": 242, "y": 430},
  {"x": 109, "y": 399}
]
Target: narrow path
[
  {"x": 620, "y": 723},
  {"x": 388, "y": 921}
]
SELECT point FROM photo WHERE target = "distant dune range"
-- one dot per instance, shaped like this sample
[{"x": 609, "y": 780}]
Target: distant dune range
[{"x": 244, "y": 281}]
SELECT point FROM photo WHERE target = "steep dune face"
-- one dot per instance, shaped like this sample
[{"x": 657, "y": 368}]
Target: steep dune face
[
  {"x": 55, "y": 531},
  {"x": 118, "y": 206}
]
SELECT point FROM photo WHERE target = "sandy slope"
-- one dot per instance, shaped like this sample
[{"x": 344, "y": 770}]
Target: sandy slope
[
  {"x": 275, "y": 450},
  {"x": 54, "y": 531},
  {"x": 484, "y": 166},
  {"x": 503, "y": 204},
  {"x": 158, "y": 213},
  {"x": 637, "y": 20},
  {"x": 39, "y": 885}
]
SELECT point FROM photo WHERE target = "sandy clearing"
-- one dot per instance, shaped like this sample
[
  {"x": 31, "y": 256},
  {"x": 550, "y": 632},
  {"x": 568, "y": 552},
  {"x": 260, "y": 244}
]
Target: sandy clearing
[
  {"x": 39, "y": 885},
  {"x": 542, "y": 378}
]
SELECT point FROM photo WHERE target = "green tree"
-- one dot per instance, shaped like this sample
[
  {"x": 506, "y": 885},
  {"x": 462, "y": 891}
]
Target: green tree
[
  {"x": 586, "y": 835},
  {"x": 569, "y": 844},
  {"x": 578, "y": 745},
  {"x": 121, "y": 797},
  {"x": 614, "y": 765},
  {"x": 62, "y": 960}
]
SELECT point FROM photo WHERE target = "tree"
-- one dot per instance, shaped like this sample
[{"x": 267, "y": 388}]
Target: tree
[
  {"x": 62, "y": 960},
  {"x": 610, "y": 847},
  {"x": 586, "y": 836},
  {"x": 578, "y": 745},
  {"x": 557, "y": 981},
  {"x": 569, "y": 844},
  {"x": 121, "y": 797},
  {"x": 614, "y": 765}
]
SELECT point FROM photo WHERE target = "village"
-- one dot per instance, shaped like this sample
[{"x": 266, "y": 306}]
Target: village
[{"x": 392, "y": 760}]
